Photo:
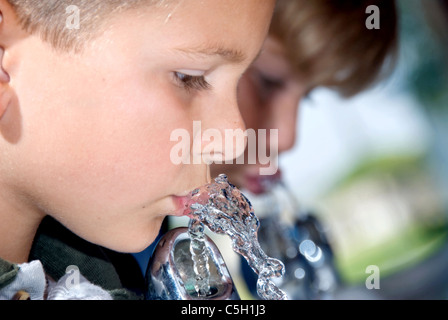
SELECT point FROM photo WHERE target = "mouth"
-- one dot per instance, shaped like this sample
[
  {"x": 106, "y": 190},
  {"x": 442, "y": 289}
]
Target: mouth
[
  {"x": 258, "y": 184},
  {"x": 183, "y": 202},
  {"x": 180, "y": 205}
]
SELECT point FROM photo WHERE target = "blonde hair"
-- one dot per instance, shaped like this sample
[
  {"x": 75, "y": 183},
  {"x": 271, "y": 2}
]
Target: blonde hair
[
  {"x": 328, "y": 44},
  {"x": 49, "y": 18}
]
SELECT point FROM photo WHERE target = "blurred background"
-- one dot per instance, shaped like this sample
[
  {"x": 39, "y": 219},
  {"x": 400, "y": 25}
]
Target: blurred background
[{"x": 374, "y": 168}]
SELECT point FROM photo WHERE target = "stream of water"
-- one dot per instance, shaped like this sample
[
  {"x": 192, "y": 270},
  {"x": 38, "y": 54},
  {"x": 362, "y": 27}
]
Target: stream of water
[{"x": 225, "y": 210}]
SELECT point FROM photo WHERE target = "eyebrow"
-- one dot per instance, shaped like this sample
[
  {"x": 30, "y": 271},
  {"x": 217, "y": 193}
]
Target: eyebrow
[{"x": 231, "y": 55}]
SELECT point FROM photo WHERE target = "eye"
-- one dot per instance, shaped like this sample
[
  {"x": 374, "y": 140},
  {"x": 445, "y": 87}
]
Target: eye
[
  {"x": 266, "y": 83},
  {"x": 271, "y": 83},
  {"x": 191, "y": 82}
]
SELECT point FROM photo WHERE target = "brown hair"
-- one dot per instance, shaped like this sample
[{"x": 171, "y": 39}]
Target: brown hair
[
  {"x": 48, "y": 18},
  {"x": 329, "y": 45}
]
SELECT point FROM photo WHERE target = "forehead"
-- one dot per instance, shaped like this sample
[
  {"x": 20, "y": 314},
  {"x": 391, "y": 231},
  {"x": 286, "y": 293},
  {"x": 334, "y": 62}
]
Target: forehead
[
  {"x": 233, "y": 30},
  {"x": 273, "y": 58},
  {"x": 230, "y": 28}
]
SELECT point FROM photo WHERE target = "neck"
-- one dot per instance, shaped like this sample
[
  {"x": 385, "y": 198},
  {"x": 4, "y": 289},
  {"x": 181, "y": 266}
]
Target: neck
[{"x": 18, "y": 227}]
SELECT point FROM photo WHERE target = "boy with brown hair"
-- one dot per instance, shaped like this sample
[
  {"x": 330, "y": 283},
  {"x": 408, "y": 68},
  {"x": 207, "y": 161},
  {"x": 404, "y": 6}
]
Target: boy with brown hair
[
  {"x": 311, "y": 44},
  {"x": 86, "y": 113}
]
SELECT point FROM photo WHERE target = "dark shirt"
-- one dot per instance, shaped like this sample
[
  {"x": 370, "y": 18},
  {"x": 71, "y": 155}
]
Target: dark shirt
[{"x": 58, "y": 248}]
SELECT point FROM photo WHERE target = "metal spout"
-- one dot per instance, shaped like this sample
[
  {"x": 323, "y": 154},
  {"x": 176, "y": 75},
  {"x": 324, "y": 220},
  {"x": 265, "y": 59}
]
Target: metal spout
[{"x": 170, "y": 274}]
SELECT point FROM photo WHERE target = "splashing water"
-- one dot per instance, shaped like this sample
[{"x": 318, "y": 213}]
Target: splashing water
[
  {"x": 225, "y": 210},
  {"x": 199, "y": 255}
]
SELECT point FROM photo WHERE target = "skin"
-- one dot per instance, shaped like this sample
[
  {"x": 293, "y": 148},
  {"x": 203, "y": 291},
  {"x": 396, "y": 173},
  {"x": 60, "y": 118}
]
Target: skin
[
  {"x": 85, "y": 138},
  {"x": 268, "y": 95}
]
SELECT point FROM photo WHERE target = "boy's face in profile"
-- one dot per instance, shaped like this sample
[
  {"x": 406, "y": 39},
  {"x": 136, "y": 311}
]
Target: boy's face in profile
[{"x": 87, "y": 136}]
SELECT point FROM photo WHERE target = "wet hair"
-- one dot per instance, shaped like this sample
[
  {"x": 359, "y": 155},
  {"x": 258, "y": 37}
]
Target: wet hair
[
  {"x": 49, "y": 18},
  {"x": 328, "y": 44}
]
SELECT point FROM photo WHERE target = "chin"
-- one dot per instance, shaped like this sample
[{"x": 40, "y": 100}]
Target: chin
[
  {"x": 135, "y": 241},
  {"x": 133, "y": 245}
]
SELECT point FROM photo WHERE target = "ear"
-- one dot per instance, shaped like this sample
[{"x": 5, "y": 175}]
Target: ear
[
  {"x": 4, "y": 82},
  {"x": 10, "y": 33}
]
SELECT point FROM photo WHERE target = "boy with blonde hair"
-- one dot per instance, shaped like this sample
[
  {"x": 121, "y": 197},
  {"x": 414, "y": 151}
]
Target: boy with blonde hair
[{"x": 90, "y": 91}]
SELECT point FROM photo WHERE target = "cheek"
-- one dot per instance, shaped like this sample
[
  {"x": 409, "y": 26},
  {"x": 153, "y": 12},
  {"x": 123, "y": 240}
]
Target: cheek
[
  {"x": 130, "y": 147},
  {"x": 105, "y": 150}
]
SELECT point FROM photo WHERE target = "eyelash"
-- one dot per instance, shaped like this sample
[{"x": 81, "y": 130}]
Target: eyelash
[{"x": 189, "y": 82}]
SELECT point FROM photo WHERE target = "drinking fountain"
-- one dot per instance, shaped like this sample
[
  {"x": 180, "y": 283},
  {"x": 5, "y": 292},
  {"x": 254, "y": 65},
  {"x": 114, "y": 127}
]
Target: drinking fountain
[{"x": 171, "y": 276}]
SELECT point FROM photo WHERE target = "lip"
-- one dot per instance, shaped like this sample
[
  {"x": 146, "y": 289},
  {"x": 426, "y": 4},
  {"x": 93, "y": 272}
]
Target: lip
[{"x": 181, "y": 206}]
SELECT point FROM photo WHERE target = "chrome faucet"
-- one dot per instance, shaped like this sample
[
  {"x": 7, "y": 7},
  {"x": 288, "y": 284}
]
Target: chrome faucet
[
  {"x": 170, "y": 274},
  {"x": 313, "y": 245},
  {"x": 297, "y": 238}
]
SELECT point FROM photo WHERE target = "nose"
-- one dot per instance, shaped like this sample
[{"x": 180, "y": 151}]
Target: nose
[
  {"x": 283, "y": 115},
  {"x": 223, "y": 137},
  {"x": 287, "y": 124}
]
